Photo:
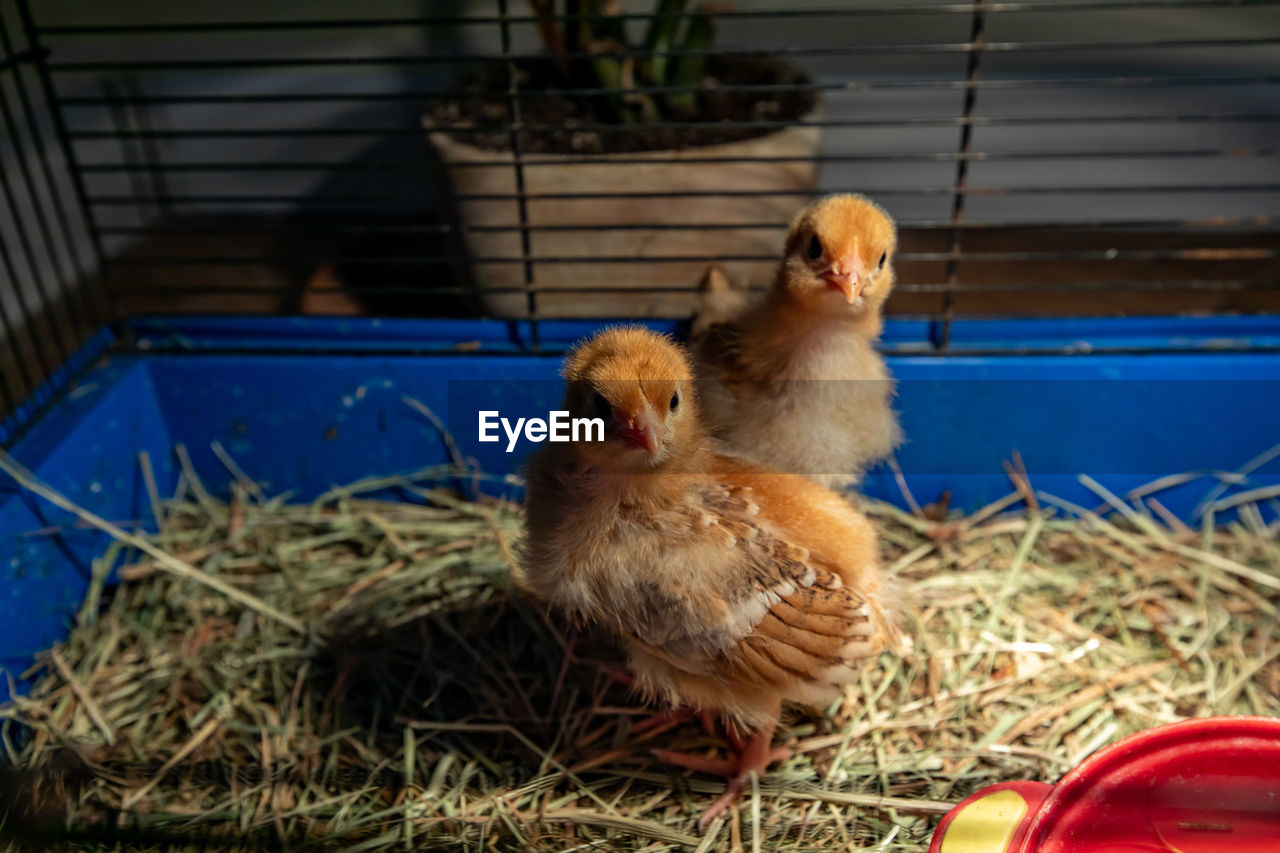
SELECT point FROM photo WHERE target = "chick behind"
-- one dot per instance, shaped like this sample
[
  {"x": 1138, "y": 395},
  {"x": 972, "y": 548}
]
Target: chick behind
[{"x": 795, "y": 380}]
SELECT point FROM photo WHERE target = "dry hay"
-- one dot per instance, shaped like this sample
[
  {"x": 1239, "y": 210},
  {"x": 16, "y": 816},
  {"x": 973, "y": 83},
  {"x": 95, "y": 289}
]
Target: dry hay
[{"x": 376, "y": 684}]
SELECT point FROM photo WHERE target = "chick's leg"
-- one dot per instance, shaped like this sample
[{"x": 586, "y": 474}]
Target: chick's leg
[{"x": 754, "y": 755}]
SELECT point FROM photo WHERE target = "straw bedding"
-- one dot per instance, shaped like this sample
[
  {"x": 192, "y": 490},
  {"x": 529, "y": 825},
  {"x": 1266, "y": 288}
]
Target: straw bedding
[{"x": 374, "y": 682}]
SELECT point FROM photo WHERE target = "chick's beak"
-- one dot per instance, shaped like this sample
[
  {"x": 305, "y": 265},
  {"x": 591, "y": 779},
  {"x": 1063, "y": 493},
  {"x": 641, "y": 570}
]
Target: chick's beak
[
  {"x": 641, "y": 428},
  {"x": 845, "y": 275}
]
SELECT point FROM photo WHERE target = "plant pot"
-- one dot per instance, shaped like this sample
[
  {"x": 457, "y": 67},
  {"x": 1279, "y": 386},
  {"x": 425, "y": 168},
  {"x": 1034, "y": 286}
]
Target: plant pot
[{"x": 569, "y": 263}]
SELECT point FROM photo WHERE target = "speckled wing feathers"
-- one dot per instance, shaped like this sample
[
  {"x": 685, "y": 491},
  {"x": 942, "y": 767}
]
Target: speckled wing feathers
[
  {"x": 783, "y": 621},
  {"x": 720, "y": 349},
  {"x": 721, "y": 343}
]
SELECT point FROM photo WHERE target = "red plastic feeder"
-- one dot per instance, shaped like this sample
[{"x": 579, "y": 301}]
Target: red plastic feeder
[{"x": 1200, "y": 786}]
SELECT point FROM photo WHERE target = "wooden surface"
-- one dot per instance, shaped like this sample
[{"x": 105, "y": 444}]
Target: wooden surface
[{"x": 310, "y": 273}]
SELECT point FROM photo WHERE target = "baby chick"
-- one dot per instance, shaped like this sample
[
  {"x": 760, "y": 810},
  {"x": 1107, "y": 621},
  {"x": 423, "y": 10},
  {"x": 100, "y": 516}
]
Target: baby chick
[
  {"x": 731, "y": 587},
  {"x": 795, "y": 381}
]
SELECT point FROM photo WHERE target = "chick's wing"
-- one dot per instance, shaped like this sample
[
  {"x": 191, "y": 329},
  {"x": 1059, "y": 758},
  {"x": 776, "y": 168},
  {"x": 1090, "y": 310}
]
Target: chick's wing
[
  {"x": 721, "y": 346},
  {"x": 745, "y": 603}
]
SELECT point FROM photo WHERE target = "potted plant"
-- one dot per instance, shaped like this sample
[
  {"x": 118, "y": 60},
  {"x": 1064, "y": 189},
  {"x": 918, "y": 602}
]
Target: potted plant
[{"x": 625, "y": 112}]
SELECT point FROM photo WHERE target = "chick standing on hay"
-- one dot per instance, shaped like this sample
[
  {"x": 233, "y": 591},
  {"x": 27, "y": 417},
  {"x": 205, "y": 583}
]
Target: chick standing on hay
[
  {"x": 794, "y": 381},
  {"x": 732, "y": 587}
]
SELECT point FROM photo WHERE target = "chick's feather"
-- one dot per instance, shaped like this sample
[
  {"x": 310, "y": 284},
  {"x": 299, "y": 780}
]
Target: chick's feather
[
  {"x": 731, "y": 586},
  {"x": 795, "y": 380}
]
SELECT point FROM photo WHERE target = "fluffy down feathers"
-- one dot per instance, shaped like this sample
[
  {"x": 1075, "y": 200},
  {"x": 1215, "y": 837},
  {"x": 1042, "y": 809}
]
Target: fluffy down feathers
[
  {"x": 794, "y": 381},
  {"x": 730, "y": 586}
]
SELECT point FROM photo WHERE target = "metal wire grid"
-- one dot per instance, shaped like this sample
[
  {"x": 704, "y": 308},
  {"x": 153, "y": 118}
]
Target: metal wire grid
[
  {"x": 48, "y": 306},
  {"x": 215, "y": 132}
]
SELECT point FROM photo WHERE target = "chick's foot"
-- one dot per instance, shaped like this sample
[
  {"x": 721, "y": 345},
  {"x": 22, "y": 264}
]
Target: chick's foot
[{"x": 755, "y": 755}]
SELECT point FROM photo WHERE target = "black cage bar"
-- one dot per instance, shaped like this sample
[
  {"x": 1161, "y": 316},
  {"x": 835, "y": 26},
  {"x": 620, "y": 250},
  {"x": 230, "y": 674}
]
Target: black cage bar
[{"x": 1087, "y": 157}]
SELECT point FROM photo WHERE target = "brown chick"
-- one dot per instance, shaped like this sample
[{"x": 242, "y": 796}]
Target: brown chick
[
  {"x": 731, "y": 587},
  {"x": 795, "y": 380}
]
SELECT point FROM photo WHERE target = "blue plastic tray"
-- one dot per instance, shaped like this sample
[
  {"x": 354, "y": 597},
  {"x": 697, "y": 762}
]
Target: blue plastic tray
[{"x": 305, "y": 404}]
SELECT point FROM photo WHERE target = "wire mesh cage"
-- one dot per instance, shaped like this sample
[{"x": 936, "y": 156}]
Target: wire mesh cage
[
  {"x": 1083, "y": 157},
  {"x": 260, "y": 571}
]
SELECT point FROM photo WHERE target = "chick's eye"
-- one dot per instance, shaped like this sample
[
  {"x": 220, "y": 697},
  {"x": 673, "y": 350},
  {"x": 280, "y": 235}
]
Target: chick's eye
[
  {"x": 600, "y": 407},
  {"x": 675, "y": 401},
  {"x": 883, "y": 256},
  {"x": 815, "y": 248}
]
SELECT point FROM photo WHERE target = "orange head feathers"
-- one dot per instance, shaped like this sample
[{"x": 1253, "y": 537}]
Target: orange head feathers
[
  {"x": 839, "y": 254},
  {"x": 640, "y": 384}
]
